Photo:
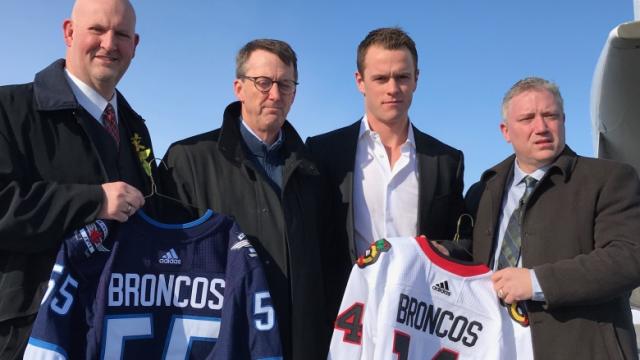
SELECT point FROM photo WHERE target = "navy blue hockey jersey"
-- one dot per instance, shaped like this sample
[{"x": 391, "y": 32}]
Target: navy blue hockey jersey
[{"x": 156, "y": 291}]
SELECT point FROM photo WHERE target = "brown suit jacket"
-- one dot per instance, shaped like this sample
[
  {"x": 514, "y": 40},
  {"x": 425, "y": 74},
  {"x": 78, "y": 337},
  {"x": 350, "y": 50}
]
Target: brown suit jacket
[{"x": 581, "y": 235}]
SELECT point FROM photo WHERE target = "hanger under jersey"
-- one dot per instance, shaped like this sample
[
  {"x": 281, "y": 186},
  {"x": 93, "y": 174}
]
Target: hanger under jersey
[
  {"x": 459, "y": 242},
  {"x": 463, "y": 243},
  {"x": 154, "y": 190}
]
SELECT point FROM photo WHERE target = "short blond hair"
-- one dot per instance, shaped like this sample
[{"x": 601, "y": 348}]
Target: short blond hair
[{"x": 528, "y": 84}]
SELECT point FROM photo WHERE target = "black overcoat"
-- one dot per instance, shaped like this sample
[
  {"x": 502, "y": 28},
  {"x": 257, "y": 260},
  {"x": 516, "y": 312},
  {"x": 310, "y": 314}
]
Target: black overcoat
[
  {"x": 211, "y": 170},
  {"x": 53, "y": 159}
]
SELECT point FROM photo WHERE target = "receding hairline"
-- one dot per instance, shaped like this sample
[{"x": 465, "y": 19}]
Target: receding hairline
[
  {"x": 528, "y": 84},
  {"x": 78, "y": 3}
]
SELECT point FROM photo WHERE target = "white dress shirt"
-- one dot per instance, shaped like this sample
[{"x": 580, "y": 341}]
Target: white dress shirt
[
  {"x": 90, "y": 99},
  {"x": 385, "y": 198}
]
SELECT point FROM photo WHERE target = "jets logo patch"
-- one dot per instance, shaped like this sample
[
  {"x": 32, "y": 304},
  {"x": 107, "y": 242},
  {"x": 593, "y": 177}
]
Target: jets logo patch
[
  {"x": 371, "y": 255},
  {"x": 92, "y": 235}
]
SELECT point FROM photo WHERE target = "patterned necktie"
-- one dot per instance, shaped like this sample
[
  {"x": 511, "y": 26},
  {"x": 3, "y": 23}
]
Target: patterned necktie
[
  {"x": 109, "y": 122},
  {"x": 512, "y": 240}
]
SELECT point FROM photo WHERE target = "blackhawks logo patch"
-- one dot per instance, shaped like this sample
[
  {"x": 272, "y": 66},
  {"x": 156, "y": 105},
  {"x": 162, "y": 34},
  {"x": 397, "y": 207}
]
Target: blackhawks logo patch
[
  {"x": 371, "y": 255},
  {"x": 518, "y": 312}
]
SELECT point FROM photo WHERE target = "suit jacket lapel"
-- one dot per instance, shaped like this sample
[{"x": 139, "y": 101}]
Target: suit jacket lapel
[
  {"x": 350, "y": 143},
  {"x": 427, "y": 164},
  {"x": 140, "y": 150},
  {"x": 495, "y": 189},
  {"x": 488, "y": 215},
  {"x": 494, "y": 193}
]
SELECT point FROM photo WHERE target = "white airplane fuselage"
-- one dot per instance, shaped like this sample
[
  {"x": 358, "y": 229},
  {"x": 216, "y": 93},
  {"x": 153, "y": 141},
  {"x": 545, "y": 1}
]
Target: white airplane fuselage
[{"x": 615, "y": 96}]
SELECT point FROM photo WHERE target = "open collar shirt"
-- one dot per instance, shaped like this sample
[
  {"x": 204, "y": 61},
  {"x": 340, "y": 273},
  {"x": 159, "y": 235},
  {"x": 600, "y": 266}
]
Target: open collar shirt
[
  {"x": 385, "y": 198},
  {"x": 267, "y": 157}
]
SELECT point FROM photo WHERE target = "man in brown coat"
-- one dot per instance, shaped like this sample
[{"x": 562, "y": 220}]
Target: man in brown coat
[{"x": 566, "y": 245}]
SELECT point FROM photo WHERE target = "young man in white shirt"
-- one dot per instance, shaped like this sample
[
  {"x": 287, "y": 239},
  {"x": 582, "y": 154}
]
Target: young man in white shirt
[{"x": 383, "y": 176}]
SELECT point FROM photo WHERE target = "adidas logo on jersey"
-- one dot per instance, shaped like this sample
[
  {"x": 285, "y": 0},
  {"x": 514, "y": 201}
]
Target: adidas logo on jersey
[
  {"x": 170, "y": 258},
  {"x": 442, "y": 287}
]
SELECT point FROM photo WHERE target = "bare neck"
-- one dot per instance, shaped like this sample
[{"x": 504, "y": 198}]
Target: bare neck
[
  {"x": 392, "y": 135},
  {"x": 105, "y": 90},
  {"x": 266, "y": 136}
]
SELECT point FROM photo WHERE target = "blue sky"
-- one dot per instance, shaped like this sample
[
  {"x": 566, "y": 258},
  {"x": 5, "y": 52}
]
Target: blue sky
[{"x": 470, "y": 53}]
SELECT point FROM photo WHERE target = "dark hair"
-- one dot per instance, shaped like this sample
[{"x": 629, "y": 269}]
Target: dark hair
[
  {"x": 528, "y": 84},
  {"x": 390, "y": 39},
  {"x": 277, "y": 47}
]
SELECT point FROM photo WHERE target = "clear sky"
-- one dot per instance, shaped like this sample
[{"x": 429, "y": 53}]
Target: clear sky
[{"x": 470, "y": 53}]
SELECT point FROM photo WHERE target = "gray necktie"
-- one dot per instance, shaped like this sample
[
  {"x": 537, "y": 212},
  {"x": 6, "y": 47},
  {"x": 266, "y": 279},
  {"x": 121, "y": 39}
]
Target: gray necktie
[{"x": 510, "y": 251}]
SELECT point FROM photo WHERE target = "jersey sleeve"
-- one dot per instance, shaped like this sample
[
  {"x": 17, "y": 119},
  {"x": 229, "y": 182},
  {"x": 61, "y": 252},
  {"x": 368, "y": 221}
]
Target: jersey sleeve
[
  {"x": 60, "y": 329},
  {"x": 354, "y": 334},
  {"x": 349, "y": 333},
  {"x": 250, "y": 329},
  {"x": 52, "y": 334}
]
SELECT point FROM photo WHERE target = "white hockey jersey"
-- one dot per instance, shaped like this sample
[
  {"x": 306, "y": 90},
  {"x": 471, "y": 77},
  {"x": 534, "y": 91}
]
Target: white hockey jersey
[{"x": 406, "y": 301}]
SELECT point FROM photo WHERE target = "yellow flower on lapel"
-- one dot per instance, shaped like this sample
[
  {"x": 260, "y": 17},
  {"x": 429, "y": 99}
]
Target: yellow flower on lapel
[{"x": 143, "y": 153}]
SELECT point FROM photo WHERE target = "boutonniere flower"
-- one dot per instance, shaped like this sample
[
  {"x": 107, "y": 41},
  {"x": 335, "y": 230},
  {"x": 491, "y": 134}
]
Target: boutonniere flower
[{"x": 143, "y": 153}]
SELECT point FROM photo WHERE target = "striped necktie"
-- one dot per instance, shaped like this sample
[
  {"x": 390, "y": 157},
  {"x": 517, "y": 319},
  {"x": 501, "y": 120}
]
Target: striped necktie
[
  {"x": 110, "y": 124},
  {"x": 512, "y": 240}
]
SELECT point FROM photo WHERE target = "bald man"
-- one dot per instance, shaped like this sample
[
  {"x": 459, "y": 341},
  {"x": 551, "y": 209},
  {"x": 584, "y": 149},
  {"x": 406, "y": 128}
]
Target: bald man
[{"x": 72, "y": 150}]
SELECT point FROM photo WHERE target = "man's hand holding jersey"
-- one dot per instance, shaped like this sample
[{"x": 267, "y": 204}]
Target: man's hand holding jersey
[
  {"x": 121, "y": 200},
  {"x": 512, "y": 284}
]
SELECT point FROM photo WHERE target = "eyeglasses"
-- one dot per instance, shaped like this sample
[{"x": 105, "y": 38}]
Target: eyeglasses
[{"x": 264, "y": 84}]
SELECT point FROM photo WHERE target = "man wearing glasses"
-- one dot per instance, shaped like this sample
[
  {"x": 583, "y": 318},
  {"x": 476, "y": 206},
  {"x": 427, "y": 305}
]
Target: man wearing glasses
[{"x": 255, "y": 168}]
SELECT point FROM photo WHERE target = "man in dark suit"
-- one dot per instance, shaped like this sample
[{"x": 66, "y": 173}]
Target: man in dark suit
[
  {"x": 72, "y": 150},
  {"x": 562, "y": 232},
  {"x": 384, "y": 177}
]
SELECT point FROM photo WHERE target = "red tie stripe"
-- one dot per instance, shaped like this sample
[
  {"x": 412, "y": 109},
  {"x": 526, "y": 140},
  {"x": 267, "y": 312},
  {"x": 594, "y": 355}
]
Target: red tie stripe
[{"x": 109, "y": 122}]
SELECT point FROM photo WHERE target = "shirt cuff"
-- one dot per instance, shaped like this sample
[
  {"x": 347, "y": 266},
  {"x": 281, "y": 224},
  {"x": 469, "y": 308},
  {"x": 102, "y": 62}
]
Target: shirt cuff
[{"x": 537, "y": 294}]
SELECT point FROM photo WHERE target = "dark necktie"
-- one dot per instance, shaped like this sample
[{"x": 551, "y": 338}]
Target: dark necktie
[
  {"x": 512, "y": 240},
  {"x": 109, "y": 122}
]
